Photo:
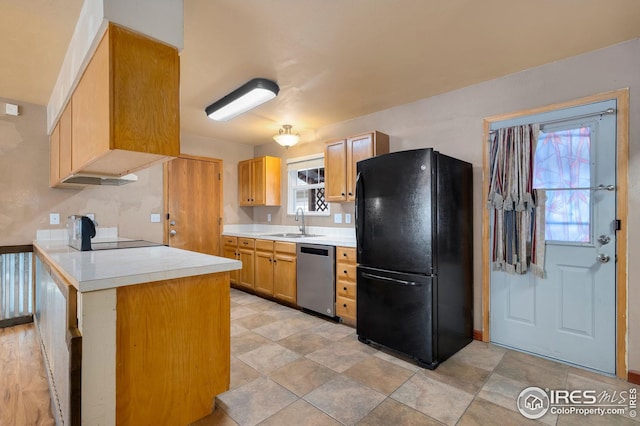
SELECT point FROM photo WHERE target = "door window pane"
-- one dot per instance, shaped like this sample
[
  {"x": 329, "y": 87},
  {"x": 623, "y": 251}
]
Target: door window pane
[{"x": 562, "y": 162}]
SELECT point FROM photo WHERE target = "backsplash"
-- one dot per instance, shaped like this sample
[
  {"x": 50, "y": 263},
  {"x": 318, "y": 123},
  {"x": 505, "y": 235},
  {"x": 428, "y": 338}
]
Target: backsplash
[{"x": 107, "y": 233}]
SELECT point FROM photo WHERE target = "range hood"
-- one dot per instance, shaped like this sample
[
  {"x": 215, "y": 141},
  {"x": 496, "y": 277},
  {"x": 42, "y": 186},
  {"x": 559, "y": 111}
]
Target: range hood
[{"x": 90, "y": 179}]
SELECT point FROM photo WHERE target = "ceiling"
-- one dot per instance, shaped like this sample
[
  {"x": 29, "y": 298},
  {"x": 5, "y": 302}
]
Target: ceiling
[{"x": 333, "y": 59}]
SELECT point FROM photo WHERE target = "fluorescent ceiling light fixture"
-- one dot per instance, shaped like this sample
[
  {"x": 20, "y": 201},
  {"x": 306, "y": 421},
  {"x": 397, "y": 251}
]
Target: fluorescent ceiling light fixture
[
  {"x": 248, "y": 96},
  {"x": 285, "y": 137}
]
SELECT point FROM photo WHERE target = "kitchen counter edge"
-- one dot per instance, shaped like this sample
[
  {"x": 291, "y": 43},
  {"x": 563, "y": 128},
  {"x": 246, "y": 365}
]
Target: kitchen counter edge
[
  {"x": 106, "y": 269},
  {"x": 322, "y": 240}
]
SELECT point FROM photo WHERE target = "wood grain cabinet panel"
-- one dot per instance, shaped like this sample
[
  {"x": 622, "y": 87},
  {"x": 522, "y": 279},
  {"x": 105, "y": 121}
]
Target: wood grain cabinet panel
[
  {"x": 341, "y": 158},
  {"x": 66, "y": 129},
  {"x": 54, "y": 156},
  {"x": 275, "y": 269},
  {"x": 124, "y": 113},
  {"x": 346, "y": 287},
  {"x": 230, "y": 251},
  {"x": 259, "y": 181}
]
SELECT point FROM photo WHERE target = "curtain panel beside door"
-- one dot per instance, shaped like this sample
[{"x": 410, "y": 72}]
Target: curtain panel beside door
[{"x": 517, "y": 209}]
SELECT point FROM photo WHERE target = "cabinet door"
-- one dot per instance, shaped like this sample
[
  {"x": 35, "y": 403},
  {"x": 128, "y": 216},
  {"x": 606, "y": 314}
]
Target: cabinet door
[
  {"x": 258, "y": 176},
  {"x": 264, "y": 272},
  {"x": 284, "y": 277},
  {"x": 230, "y": 252},
  {"x": 90, "y": 114},
  {"x": 335, "y": 165},
  {"x": 358, "y": 148},
  {"x": 244, "y": 183},
  {"x": 54, "y": 156},
  {"x": 65, "y": 142},
  {"x": 247, "y": 257}
]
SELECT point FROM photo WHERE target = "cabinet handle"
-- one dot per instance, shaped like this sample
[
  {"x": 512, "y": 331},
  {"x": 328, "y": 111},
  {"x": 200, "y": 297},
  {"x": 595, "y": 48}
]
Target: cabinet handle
[
  {"x": 275, "y": 261},
  {"x": 345, "y": 271},
  {"x": 351, "y": 193},
  {"x": 342, "y": 193},
  {"x": 248, "y": 199},
  {"x": 345, "y": 289},
  {"x": 270, "y": 260},
  {"x": 344, "y": 305},
  {"x": 344, "y": 254}
]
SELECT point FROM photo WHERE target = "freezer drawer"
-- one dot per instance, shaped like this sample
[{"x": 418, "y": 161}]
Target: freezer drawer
[{"x": 397, "y": 310}]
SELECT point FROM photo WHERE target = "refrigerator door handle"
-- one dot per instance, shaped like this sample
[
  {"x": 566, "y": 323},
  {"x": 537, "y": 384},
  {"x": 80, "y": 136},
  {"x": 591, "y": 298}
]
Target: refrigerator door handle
[
  {"x": 359, "y": 211},
  {"x": 401, "y": 282}
]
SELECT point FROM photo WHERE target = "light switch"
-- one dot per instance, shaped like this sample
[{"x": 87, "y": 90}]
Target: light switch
[
  {"x": 54, "y": 218},
  {"x": 155, "y": 217},
  {"x": 337, "y": 218},
  {"x": 347, "y": 218}
]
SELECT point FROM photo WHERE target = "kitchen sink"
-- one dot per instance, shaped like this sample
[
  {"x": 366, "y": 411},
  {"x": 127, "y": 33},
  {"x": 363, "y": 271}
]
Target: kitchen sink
[{"x": 293, "y": 235}]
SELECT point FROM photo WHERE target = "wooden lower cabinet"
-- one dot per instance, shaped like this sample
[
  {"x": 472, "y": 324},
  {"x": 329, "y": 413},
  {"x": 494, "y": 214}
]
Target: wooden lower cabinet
[
  {"x": 275, "y": 269},
  {"x": 264, "y": 267},
  {"x": 230, "y": 251},
  {"x": 284, "y": 272},
  {"x": 246, "y": 254},
  {"x": 346, "y": 307}
]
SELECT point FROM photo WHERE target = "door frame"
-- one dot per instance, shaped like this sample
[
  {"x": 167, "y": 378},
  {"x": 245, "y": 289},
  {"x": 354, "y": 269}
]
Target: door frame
[
  {"x": 165, "y": 192},
  {"x": 622, "y": 164}
]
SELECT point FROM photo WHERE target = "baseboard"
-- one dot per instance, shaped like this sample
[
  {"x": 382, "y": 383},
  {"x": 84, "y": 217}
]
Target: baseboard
[
  {"x": 633, "y": 377},
  {"x": 477, "y": 335}
]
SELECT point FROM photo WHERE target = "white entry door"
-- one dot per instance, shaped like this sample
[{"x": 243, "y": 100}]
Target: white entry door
[{"x": 569, "y": 315}]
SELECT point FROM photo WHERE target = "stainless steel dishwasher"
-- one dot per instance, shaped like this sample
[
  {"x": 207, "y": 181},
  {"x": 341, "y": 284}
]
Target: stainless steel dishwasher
[{"x": 316, "y": 278}]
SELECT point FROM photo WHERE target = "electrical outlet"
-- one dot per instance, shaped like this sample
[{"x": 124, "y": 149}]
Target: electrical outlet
[
  {"x": 155, "y": 217},
  {"x": 268, "y": 217},
  {"x": 337, "y": 218},
  {"x": 54, "y": 218},
  {"x": 347, "y": 218}
]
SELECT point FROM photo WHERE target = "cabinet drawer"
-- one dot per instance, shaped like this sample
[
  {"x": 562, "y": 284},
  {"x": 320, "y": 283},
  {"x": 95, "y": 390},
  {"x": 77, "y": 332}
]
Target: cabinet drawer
[
  {"x": 230, "y": 241},
  {"x": 345, "y": 308},
  {"x": 347, "y": 254},
  {"x": 284, "y": 247},
  {"x": 345, "y": 271},
  {"x": 264, "y": 245},
  {"x": 346, "y": 289},
  {"x": 246, "y": 242}
]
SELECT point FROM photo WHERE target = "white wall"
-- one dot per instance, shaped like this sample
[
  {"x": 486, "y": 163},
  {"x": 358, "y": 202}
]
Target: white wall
[{"x": 452, "y": 123}]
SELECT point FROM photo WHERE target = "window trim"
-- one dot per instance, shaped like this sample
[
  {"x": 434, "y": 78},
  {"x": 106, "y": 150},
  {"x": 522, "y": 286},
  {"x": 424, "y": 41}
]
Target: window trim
[{"x": 297, "y": 163}]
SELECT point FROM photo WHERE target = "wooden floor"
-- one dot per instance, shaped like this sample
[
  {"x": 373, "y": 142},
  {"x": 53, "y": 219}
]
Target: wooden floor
[{"x": 24, "y": 392}]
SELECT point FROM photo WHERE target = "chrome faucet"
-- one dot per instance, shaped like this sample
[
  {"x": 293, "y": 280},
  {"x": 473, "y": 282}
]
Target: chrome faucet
[{"x": 300, "y": 227}]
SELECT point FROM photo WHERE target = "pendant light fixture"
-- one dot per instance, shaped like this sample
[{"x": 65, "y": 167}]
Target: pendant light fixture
[
  {"x": 251, "y": 94},
  {"x": 285, "y": 137}
]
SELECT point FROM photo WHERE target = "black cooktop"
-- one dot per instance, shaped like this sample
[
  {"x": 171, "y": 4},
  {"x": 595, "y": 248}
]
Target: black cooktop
[{"x": 110, "y": 245}]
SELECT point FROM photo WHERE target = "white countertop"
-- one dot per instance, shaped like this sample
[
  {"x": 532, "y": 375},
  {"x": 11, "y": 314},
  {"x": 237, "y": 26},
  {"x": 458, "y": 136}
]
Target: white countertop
[
  {"x": 329, "y": 240},
  {"x": 103, "y": 269}
]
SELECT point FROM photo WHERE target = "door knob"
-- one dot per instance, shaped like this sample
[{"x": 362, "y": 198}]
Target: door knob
[
  {"x": 172, "y": 223},
  {"x": 172, "y": 232},
  {"x": 603, "y": 258},
  {"x": 604, "y": 239}
]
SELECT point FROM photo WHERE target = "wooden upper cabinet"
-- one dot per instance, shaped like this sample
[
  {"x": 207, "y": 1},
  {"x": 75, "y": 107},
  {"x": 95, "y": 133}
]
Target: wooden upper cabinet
[
  {"x": 66, "y": 127},
  {"x": 259, "y": 182},
  {"x": 335, "y": 170},
  {"x": 124, "y": 114},
  {"x": 340, "y": 161},
  {"x": 54, "y": 156}
]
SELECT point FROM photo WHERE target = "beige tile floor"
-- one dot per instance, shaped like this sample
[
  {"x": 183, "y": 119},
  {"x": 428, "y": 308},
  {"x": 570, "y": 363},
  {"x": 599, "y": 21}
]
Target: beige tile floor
[{"x": 291, "y": 368}]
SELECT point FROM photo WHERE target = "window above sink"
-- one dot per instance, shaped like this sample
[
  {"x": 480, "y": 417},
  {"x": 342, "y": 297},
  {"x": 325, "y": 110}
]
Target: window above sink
[{"x": 305, "y": 186}]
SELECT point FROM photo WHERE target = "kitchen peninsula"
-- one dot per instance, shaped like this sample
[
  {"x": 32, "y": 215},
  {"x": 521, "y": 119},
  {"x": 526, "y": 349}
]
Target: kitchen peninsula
[{"x": 133, "y": 336}]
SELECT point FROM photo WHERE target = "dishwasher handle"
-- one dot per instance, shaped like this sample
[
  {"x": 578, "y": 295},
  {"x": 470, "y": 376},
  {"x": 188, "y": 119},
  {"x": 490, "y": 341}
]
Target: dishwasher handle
[{"x": 314, "y": 251}]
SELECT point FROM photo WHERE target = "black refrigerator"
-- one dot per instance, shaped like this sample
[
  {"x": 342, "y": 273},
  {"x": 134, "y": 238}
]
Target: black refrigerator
[{"x": 415, "y": 254}]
